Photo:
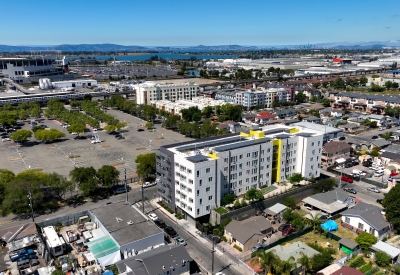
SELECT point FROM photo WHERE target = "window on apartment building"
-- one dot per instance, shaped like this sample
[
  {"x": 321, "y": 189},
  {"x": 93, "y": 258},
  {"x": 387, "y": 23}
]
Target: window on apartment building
[
  {"x": 240, "y": 156},
  {"x": 198, "y": 192},
  {"x": 233, "y": 167},
  {"x": 225, "y": 169},
  {"x": 234, "y": 159},
  {"x": 189, "y": 171},
  {"x": 210, "y": 179},
  {"x": 248, "y": 163},
  {"x": 190, "y": 190},
  {"x": 262, "y": 152},
  {"x": 201, "y": 201},
  {"x": 225, "y": 177},
  {"x": 255, "y": 178},
  {"x": 209, "y": 198},
  {"x": 319, "y": 143},
  {"x": 247, "y": 180},
  {"x": 311, "y": 159},
  {"x": 254, "y": 162},
  {"x": 255, "y": 154},
  {"x": 198, "y": 211},
  {"x": 208, "y": 189},
  {"x": 268, "y": 150},
  {"x": 198, "y": 173},
  {"x": 312, "y": 143},
  {"x": 248, "y": 155},
  {"x": 208, "y": 170},
  {"x": 191, "y": 181},
  {"x": 247, "y": 188},
  {"x": 208, "y": 208},
  {"x": 177, "y": 164},
  {"x": 240, "y": 173},
  {"x": 240, "y": 165},
  {"x": 225, "y": 186},
  {"x": 225, "y": 160}
]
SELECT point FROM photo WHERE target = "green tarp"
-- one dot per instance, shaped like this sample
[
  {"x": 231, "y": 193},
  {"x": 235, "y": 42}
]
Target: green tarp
[{"x": 102, "y": 246}]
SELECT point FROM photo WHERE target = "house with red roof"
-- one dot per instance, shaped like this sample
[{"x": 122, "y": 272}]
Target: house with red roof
[{"x": 264, "y": 116}]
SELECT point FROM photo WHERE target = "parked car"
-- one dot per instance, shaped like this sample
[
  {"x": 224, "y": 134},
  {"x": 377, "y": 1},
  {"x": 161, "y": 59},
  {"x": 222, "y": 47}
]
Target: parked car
[
  {"x": 348, "y": 165},
  {"x": 180, "y": 241},
  {"x": 140, "y": 130},
  {"x": 170, "y": 231},
  {"x": 367, "y": 164},
  {"x": 283, "y": 227},
  {"x": 346, "y": 179},
  {"x": 379, "y": 173},
  {"x": 74, "y": 133},
  {"x": 6, "y": 139},
  {"x": 350, "y": 190},
  {"x": 342, "y": 138},
  {"x": 96, "y": 141},
  {"x": 374, "y": 137},
  {"x": 393, "y": 174},
  {"x": 373, "y": 189},
  {"x": 379, "y": 201},
  {"x": 34, "y": 262},
  {"x": 160, "y": 223},
  {"x": 214, "y": 238},
  {"x": 256, "y": 248},
  {"x": 289, "y": 230},
  {"x": 80, "y": 137},
  {"x": 153, "y": 216},
  {"x": 389, "y": 127}
]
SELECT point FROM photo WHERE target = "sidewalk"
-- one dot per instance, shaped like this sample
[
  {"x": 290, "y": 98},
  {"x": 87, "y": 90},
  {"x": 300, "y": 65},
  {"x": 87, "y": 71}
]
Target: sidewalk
[{"x": 195, "y": 233}]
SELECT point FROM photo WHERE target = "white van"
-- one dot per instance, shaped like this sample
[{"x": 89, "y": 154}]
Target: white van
[{"x": 379, "y": 173}]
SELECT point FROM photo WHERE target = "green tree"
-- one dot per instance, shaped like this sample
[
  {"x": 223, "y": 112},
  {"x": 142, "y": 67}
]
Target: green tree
[
  {"x": 326, "y": 102},
  {"x": 110, "y": 128},
  {"x": 146, "y": 165},
  {"x": 222, "y": 132},
  {"x": 388, "y": 84},
  {"x": 267, "y": 260},
  {"x": 237, "y": 204},
  {"x": 108, "y": 175},
  {"x": 366, "y": 240},
  {"x": 363, "y": 81},
  {"x": 387, "y": 135},
  {"x": 295, "y": 178},
  {"x": 285, "y": 267},
  {"x": 290, "y": 202},
  {"x": 77, "y": 128},
  {"x": 6, "y": 176},
  {"x": 208, "y": 129},
  {"x": 324, "y": 185},
  {"x": 315, "y": 219},
  {"x": 85, "y": 178},
  {"x": 58, "y": 184},
  {"x": 8, "y": 118},
  {"x": 316, "y": 85},
  {"x": 382, "y": 259},
  {"x": 254, "y": 195},
  {"x": 21, "y": 135},
  {"x": 196, "y": 117},
  {"x": 305, "y": 262},
  {"x": 300, "y": 97},
  {"x": 149, "y": 125},
  {"x": 228, "y": 199},
  {"x": 57, "y": 272},
  {"x": 391, "y": 204},
  {"x": 49, "y": 135},
  {"x": 120, "y": 125},
  {"x": 207, "y": 112}
]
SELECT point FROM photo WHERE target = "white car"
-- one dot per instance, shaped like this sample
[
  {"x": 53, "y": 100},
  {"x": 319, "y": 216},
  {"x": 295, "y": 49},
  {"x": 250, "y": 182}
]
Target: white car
[
  {"x": 152, "y": 216},
  {"x": 180, "y": 241},
  {"x": 362, "y": 174},
  {"x": 378, "y": 174},
  {"x": 74, "y": 133},
  {"x": 94, "y": 129},
  {"x": 6, "y": 139},
  {"x": 373, "y": 189},
  {"x": 96, "y": 141}
]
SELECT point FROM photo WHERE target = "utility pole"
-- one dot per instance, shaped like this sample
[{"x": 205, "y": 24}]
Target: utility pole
[
  {"x": 126, "y": 188},
  {"x": 30, "y": 204},
  {"x": 212, "y": 252},
  {"x": 142, "y": 198}
]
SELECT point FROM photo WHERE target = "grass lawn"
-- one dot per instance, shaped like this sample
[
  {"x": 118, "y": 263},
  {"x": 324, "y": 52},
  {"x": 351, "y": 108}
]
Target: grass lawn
[
  {"x": 268, "y": 189},
  {"x": 221, "y": 210},
  {"x": 302, "y": 212},
  {"x": 344, "y": 232}
]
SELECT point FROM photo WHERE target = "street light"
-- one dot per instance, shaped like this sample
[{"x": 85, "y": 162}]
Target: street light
[
  {"x": 213, "y": 251},
  {"x": 30, "y": 204}
]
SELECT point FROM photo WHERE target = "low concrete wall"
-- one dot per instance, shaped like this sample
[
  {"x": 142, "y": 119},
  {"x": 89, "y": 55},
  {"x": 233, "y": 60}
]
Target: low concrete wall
[
  {"x": 64, "y": 220},
  {"x": 250, "y": 210}
]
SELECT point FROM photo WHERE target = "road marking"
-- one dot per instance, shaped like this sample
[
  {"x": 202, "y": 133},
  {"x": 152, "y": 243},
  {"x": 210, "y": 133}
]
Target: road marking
[
  {"x": 13, "y": 159},
  {"x": 141, "y": 148},
  {"x": 105, "y": 146},
  {"x": 117, "y": 164}
]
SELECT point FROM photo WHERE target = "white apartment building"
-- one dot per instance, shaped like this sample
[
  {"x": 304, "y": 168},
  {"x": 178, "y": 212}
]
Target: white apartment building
[
  {"x": 195, "y": 175},
  {"x": 252, "y": 97},
  {"x": 151, "y": 91},
  {"x": 177, "y": 106}
]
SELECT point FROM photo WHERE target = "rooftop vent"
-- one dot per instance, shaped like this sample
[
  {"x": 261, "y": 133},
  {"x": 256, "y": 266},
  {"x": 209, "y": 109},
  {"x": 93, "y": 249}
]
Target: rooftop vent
[
  {"x": 119, "y": 219},
  {"x": 130, "y": 222}
]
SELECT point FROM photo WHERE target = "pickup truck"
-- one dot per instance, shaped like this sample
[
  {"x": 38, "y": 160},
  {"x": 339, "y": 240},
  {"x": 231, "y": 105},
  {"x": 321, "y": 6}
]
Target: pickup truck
[{"x": 16, "y": 255}]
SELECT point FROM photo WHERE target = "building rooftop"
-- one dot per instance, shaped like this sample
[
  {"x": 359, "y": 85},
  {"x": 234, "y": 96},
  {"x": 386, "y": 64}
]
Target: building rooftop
[
  {"x": 331, "y": 201},
  {"x": 323, "y": 128},
  {"x": 115, "y": 218},
  {"x": 335, "y": 146},
  {"x": 156, "y": 261},
  {"x": 369, "y": 213},
  {"x": 387, "y": 248},
  {"x": 295, "y": 250},
  {"x": 244, "y": 230}
]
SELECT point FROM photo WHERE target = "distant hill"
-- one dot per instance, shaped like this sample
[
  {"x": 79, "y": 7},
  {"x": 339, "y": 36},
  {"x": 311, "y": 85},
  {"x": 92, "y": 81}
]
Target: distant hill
[{"x": 200, "y": 48}]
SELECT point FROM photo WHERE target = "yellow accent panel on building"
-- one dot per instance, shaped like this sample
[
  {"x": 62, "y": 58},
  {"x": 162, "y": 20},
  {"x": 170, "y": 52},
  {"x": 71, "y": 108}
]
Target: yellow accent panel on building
[
  {"x": 213, "y": 155},
  {"x": 278, "y": 155},
  {"x": 294, "y": 130},
  {"x": 243, "y": 134},
  {"x": 257, "y": 134}
]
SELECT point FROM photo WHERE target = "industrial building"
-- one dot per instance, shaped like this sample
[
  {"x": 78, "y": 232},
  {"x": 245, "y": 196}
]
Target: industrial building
[
  {"x": 151, "y": 91},
  {"x": 195, "y": 175},
  {"x": 121, "y": 231}
]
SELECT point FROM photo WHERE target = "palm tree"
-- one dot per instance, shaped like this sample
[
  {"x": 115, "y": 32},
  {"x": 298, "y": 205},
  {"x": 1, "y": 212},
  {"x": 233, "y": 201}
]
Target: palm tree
[
  {"x": 305, "y": 262},
  {"x": 267, "y": 261},
  {"x": 285, "y": 267},
  {"x": 315, "y": 219}
]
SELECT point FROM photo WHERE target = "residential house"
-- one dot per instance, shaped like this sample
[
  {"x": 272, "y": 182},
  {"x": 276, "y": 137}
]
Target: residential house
[
  {"x": 350, "y": 127},
  {"x": 380, "y": 119},
  {"x": 392, "y": 251},
  {"x": 263, "y": 117},
  {"x": 329, "y": 132},
  {"x": 393, "y": 148},
  {"x": 379, "y": 143},
  {"x": 356, "y": 120},
  {"x": 312, "y": 119},
  {"x": 295, "y": 251},
  {"x": 290, "y": 121},
  {"x": 164, "y": 260},
  {"x": 233, "y": 126},
  {"x": 274, "y": 212},
  {"x": 285, "y": 112},
  {"x": 336, "y": 269},
  {"x": 247, "y": 233},
  {"x": 333, "y": 150},
  {"x": 223, "y": 126},
  {"x": 388, "y": 157},
  {"x": 331, "y": 202},
  {"x": 348, "y": 246},
  {"x": 365, "y": 217},
  {"x": 249, "y": 118}
]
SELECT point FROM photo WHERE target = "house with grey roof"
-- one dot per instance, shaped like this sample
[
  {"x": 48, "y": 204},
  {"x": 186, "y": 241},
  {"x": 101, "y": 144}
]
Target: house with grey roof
[
  {"x": 364, "y": 217},
  {"x": 331, "y": 202},
  {"x": 393, "y": 148},
  {"x": 333, "y": 150},
  {"x": 388, "y": 157},
  {"x": 329, "y": 132},
  {"x": 312, "y": 119},
  {"x": 164, "y": 260},
  {"x": 379, "y": 142},
  {"x": 295, "y": 250},
  {"x": 350, "y": 127},
  {"x": 247, "y": 233}
]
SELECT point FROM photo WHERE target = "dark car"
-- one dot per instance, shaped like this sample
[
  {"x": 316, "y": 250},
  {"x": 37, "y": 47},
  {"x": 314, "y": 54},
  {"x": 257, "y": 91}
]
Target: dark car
[
  {"x": 140, "y": 130},
  {"x": 80, "y": 137},
  {"x": 34, "y": 262},
  {"x": 160, "y": 223},
  {"x": 348, "y": 165},
  {"x": 342, "y": 138},
  {"x": 367, "y": 164},
  {"x": 374, "y": 137},
  {"x": 43, "y": 126},
  {"x": 350, "y": 190},
  {"x": 289, "y": 230},
  {"x": 170, "y": 231},
  {"x": 389, "y": 126},
  {"x": 379, "y": 201},
  {"x": 214, "y": 238},
  {"x": 119, "y": 137},
  {"x": 283, "y": 227}
]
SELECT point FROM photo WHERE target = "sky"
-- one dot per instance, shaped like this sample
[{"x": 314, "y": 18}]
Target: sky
[{"x": 204, "y": 22}]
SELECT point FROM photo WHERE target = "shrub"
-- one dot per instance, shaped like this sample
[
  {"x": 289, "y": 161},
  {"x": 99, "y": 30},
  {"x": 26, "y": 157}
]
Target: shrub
[
  {"x": 178, "y": 216},
  {"x": 237, "y": 247},
  {"x": 220, "y": 210},
  {"x": 357, "y": 262},
  {"x": 166, "y": 207},
  {"x": 366, "y": 268},
  {"x": 372, "y": 271}
]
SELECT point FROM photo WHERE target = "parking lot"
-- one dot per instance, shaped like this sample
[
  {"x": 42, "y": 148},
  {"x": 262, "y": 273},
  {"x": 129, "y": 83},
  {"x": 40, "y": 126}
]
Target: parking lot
[
  {"x": 369, "y": 173},
  {"x": 63, "y": 155}
]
